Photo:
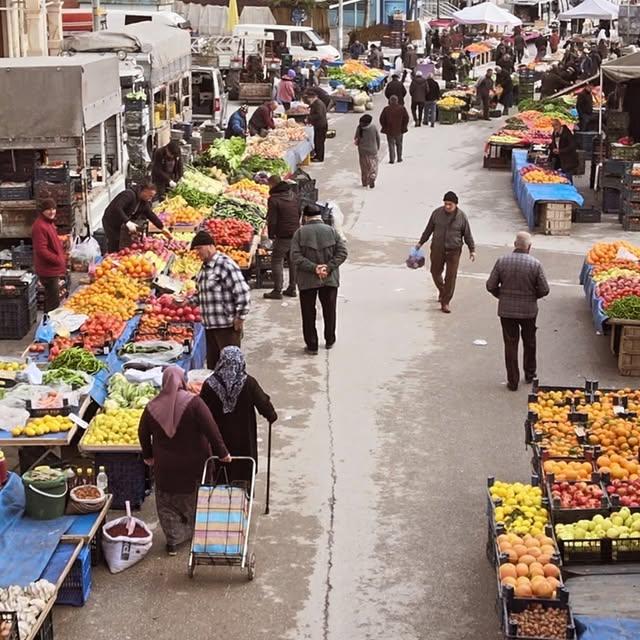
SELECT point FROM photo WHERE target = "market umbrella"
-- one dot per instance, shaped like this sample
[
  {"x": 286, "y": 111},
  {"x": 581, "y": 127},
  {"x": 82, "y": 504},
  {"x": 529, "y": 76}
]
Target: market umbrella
[
  {"x": 486, "y": 13},
  {"x": 592, "y": 9},
  {"x": 232, "y": 16}
]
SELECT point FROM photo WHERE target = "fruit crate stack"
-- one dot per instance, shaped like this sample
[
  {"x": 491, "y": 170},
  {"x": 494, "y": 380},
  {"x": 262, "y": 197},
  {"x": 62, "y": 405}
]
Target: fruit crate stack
[
  {"x": 616, "y": 125},
  {"x": 54, "y": 181},
  {"x": 18, "y": 305},
  {"x": 630, "y": 198},
  {"x": 555, "y": 218},
  {"x": 526, "y": 82}
]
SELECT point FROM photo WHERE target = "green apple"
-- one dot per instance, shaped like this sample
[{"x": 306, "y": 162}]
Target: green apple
[
  {"x": 617, "y": 521},
  {"x": 598, "y": 518},
  {"x": 625, "y": 512},
  {"x": 635, "y": 525},
  {"x": 613, "y": 532}
]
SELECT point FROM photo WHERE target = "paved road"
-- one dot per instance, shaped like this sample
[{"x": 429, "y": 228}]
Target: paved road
[{"x": 384, "y": 444}]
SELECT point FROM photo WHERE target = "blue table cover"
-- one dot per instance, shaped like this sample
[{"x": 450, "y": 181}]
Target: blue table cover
[
  {"x": 595, "y": 303},
  {"x": 296, "y": 155},
  {"x": 528, "y": 194},
  {"x": 592, "y": 628}
]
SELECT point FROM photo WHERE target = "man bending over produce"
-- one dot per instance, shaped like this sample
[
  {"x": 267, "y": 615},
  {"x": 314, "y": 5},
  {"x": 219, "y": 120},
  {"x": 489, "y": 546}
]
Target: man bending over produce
[{"x": 223, "y": 296}]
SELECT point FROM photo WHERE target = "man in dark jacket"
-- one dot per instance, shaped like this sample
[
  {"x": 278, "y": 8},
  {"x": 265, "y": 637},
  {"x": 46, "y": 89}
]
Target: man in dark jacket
[
  {"x": 121, "y": 211},
  {"x": 283, "y": 220},
  {"x": 503, "y": 78},
  {"x": 450, "y": 228},
  {"x": 518, "y": 281},
  {"x": 584, "y": 106},
  {"x": 519, "y": 45},
  {"x": 356, "y": 49},
  {"x": 262, "y": 119},
  {"x": 317, "y": 251},
  {"x": 410, "y": 61},
  {"x": 483, "y": 91},
  {"x": 166, "y": 167},
  {"x": 318, "y": 120},
  {"x": 418, "y": 90},
  {"x": 394, "y": 121},
  {"x": 237, "y": 125},
  {"x": 449, "y": 69},
  {"x": 49, "y": 261},
  {"x": 395, "y": 88},
  {"x": 433, "y": 95},
  {"x": 563, "y": 150}
]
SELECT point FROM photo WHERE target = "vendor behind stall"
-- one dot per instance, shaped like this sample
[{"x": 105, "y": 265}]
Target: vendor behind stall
[
  {"x": 563, "y": 150},
  {"x": 587, "y": 120},
  {"x": 121, "y": 211},
  {"x": 49, "y": 260},
  {"x": 262, "y": 119},
  {"x": 237, "y": 125},
  {"x": 166, "y": 167}
]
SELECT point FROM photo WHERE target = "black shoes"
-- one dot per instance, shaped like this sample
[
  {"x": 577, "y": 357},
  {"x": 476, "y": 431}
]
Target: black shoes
[
  {"x": 329, "y": 345},
  {"x": 311, "y": 352},
  {"x": 530, "y": 379},
  {"x": 372, "y": 184},
  {"x": 273, "y": 295},
  {"x": 512, "y": 387},
  {"x": 290, "y": 292},
  {"x": 172, "y": 550}
]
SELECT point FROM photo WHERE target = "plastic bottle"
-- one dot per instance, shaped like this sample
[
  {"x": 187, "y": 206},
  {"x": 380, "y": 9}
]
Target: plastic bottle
[
  {"x": 102, "y": 481},
  {"x": 89, "y": 479},
  {"x": 4, "y": 472},
  {"x": 80, "y": 477},
  {"x": 71, "y": 478}
]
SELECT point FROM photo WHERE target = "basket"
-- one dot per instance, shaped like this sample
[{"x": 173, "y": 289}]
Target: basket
[
  {"x": 9, "y": 625},
  {"x": 129, "y": 478},
  {"x": 15, "y": 191},
  {"x": 47, "y": 173},
  {"x": 447, "y": 116},
  {"x": 18, "y": 316},
  {"x": 76, "y": 587}
]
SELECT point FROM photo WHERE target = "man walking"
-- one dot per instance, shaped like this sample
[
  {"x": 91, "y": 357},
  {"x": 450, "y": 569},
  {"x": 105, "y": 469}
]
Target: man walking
[
  {"x": 223, "y": 296},
  {"x": 395, "y": 88},
  {"x": 418, "y": 90},
  {"x": 317, "y": 251},
  {"x": 433, "y": 95},
  {"x": 394, "y": 121},
  {"x": 283, "y": 220},
  {"x": 450, "y": 228},
  {"x": 318, "y": 120},
  {"x": 519, "y": 45},
  {"x": 518, "y": 281}
]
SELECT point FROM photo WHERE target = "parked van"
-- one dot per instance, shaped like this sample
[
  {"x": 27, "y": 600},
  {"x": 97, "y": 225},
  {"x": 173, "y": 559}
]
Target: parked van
[
  {"x": 116, "y": 19},
  {"x": 209, "y": 95},
  {"x": 303, "y": 43}
]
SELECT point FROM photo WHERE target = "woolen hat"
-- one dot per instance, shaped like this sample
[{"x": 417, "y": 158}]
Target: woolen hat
[
  {"x": 366, "y": 120},
  {"x": 202, "y": 239},
  {"x": 450, "y": 196}
]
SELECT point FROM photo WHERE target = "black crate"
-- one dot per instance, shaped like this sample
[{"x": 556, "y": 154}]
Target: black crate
[
  {"x": 61, "y": 192},
  {"x": 15, "y": 192},
  {"x": 616, "y": 120},
  {"x": 64, "y": 410},
  {"x": 17, "y": 288},
  {"x": 615, "y": 168},
  {"x": 610, "y": 200},
  {"x": 95, "y": 545},
  {"x": 584, "y": 551},
  {"x": 134, "y": 105},
  {"x": 46, "y": 629},
  {"x": 630, "y": 223},
  {"x": 518, "y": 606},
  {"x": 586, "y": 214},
  {"x": 18, "y": 316},
  {"x": 22, "y": 256},
  {"x": 129, "y": 479},
  {"x": 9, "y": 625},
  {"x": 49, "y": 173},
  {"x": 567, "y": 516}
]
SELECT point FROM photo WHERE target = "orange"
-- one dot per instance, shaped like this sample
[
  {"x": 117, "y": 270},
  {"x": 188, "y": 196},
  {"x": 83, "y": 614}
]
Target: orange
[
  {"x": 522, "y": 569},
  {"x": 551, "y": 571},
  {"x": 523, "y": 591},
  {"x": 510, "y": 581},
  {"x": 507, "y": 570},
  {"x": 536, "y": 569},
  {"x": 542, "y": 589},
  {"x": 526, "y": 559}
]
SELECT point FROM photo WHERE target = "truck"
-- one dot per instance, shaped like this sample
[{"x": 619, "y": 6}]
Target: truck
[
  {"x": 155, "y": 78},
  {"x": 61, "y": 138}
]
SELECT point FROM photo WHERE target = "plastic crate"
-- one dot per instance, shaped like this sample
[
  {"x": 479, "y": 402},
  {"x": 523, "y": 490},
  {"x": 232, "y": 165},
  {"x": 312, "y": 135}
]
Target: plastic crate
[
  {"x": 615, "y": 168},
  {"x": 46, "y": 629},
  {"x": 9, "y": 624},
  {"x": 631, "y": 222},
  {"x": 129, "y": 479},
  {"x": 22, "y": 256},
  {"x": 61, "y": 192},
  {"x": 447, "y": 116},
  {"x": 14, "y": 191},
  {"x": 610, "y": 199},
  {"x": 586, "y": 214},
  {"x": 18, "y": 316},
  {"x": 616, "y": 120},
  {"x": 518, "y": 606},
  {"x": 625, "y": 152},
  {"x": 76, "y": 587},
  {"x": 343, "y": 106},
  {"x": 47, "y": 173},
  {"x": 135, "y": 105},
  {"x": 18, "y": 288},
  {"x": 567, "y": 516},
  {"x": 95, "y": 545}
]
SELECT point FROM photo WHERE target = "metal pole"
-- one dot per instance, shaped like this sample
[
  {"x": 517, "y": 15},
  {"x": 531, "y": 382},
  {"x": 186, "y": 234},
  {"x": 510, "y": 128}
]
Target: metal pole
[
  {"x": 438, "y": 9},
  {"x": 266, "y": 510},
  {"x": 95, "y": 13},
  {"x": 340, "y": 26}
]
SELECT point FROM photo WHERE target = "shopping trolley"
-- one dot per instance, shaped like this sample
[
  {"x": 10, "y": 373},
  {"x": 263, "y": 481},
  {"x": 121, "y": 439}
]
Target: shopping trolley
[{"x": 223, "y": 519}]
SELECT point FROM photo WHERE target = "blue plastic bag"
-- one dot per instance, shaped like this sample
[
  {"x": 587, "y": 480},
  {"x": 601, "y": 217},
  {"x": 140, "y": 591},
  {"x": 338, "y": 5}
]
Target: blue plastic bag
[
  {"x": 45, "y": 332},
  {"x": 416, "y": 259}
]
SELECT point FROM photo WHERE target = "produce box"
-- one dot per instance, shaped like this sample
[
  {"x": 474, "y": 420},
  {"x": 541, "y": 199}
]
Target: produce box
[
  {"x": 447, "y": 116},
  {"x": 76, "y": 587},
  {"x": 129, "y": 478},
  {"x": 522, "y": 620},
  {"x": 52, "y": 173},
  {"x": 586, "y": 215},
  {"x": 625, "y": 152},
  {"x": 15, "y": 191},
  {"x": 61, "y": 192},
  {"x": 555, "y": 218},
  {"x": 563, "y": 494},
  {"x": 18, "y": 316},
  {"x": 22, "y": 256}
]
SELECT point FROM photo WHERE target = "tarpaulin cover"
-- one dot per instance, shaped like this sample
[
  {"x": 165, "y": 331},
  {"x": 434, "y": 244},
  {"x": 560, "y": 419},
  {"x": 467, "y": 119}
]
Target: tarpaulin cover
[
  {"x": 26, "y": 545},
  {"x": 598, "y": 9},
  {"x": 591, "y": 628},
  {"x": 623, "y": 69},
  {"x": 77, "y": 93},
  {"x": 595, "y": 303},
  {"x": 486, "y": 13},
  {"x": 528, "y": 194}
]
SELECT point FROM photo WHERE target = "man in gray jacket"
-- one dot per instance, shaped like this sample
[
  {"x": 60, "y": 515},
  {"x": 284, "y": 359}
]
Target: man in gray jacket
[
  {"x": 317, "y": 251},
  {"x": 518, "y": 281},
  {"x": 450, "y": 228}
]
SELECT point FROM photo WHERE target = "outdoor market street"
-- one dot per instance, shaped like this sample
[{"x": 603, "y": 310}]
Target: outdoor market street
[{"x": 383, "y": 446}]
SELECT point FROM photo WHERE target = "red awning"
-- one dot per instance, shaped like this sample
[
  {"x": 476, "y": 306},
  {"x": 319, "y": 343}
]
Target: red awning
[{"x": 442, "y": 22}]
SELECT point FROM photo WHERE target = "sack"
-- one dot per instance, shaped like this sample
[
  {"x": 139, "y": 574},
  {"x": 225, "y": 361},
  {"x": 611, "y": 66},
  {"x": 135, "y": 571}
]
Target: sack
[
  {"x": 123, "y": 551},
  {"x": 416, "y": 259}
]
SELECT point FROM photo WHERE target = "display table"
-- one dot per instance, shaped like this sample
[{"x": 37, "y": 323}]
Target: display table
[
  {"x": 296, "y": 155},
  {"x": 529, "y": 195}
]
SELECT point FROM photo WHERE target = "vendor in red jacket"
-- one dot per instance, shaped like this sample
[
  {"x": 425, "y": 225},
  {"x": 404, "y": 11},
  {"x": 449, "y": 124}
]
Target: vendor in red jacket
[{"x": 49, "y": 260}]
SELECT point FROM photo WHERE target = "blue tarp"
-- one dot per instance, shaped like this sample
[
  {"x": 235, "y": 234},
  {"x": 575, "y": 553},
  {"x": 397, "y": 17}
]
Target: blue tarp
[
  {"x": 528, "y": 195},
  {"x": 590, "y": 628},
  {"x": 595, "y": 303},
  {"x": 26, "y": 545}
]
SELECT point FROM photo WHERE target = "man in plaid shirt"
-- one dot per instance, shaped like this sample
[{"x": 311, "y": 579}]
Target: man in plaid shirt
[
  {"x": 518, "y": 281},
  {"x": 223, "y": 296}
]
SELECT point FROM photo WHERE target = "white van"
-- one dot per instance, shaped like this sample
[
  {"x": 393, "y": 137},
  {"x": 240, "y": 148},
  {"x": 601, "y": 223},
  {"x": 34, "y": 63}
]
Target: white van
[
  {"x": 303, "y": 42},
  {"x": 209, "y": 95},
  {"x": 116, "y": 19}
]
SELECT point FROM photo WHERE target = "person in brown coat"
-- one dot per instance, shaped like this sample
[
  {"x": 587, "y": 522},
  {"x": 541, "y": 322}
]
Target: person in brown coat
[
  {"x": 394, "y": 122},
  {"x": 449, "y": 227},
  {"x": 177, "y": 434},
  {"x": 418, "y": 90},
  {"x": 318, "y": 120}
]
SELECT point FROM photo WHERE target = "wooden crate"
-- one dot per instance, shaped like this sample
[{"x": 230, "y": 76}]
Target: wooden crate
[
  {"x": 555, "y": 218},
  {"x": 629, "y": 353}
]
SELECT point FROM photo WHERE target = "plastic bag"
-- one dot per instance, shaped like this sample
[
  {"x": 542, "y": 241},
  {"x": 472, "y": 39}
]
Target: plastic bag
[
  {"x": 45, "y": 332},
  {"x": 123, "y": 551},
  {"x": 416, "y": 259},
  {"x": 83, "y": 253},
  {"x": 625, "y": 254}
]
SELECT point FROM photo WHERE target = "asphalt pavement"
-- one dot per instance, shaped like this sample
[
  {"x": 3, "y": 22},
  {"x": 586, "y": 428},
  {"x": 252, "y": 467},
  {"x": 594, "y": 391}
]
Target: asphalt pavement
[{"x": 384, "y": 444}]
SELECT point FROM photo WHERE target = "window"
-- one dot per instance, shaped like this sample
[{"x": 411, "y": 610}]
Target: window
[
  {"x": 134, "y": 19},
  {"x": 301, "y": 39}
]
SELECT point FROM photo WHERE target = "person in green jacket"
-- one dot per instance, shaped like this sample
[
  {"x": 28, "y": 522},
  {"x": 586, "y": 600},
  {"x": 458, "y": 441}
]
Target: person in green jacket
[{"x": 317, "y": 250}]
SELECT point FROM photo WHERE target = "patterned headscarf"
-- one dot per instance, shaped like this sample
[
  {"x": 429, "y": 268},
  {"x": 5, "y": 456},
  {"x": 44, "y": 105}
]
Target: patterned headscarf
[{"x": 228, "y": 378}]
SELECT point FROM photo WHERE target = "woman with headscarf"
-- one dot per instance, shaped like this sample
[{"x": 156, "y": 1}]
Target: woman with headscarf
[
  {"x": 177, "y": 435},
  {"x": 367, "y": 139},
  {"x": 233, "y": 396},
  {"x": 287, "y": 89}
]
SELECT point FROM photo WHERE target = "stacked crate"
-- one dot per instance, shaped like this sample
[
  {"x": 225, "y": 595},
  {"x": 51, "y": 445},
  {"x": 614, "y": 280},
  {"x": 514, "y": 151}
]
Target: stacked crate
[
  {"x": 526, "y": 82},
  {"x": 630, "y": 199},
  {"x": 17, "y": 305},
  {"x": 555, "y": 218},
  {"x": 54, "y": 181},
  {"x": 136, "y": 122},
  {"x": 629, "y": 353},
  {"x": 616, "y": 125}
]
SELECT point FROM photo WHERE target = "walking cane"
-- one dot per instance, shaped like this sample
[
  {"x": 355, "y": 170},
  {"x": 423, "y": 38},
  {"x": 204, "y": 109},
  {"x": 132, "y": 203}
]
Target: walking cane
[{"x": 266, "y": 509}]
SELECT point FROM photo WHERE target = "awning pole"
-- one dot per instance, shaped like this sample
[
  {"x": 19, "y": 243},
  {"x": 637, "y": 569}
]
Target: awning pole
[{"x": 600, "y": 110}]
